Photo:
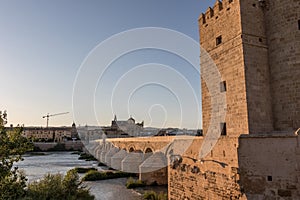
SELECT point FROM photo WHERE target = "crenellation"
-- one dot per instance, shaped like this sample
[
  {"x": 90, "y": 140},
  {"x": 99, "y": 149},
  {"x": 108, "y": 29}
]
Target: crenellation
[
  {"x": 202, "y": 18},
  {"x": 209, "y": 13},
  {"x": 218, "y": 6},
  {"x": 212, "y": 13}
]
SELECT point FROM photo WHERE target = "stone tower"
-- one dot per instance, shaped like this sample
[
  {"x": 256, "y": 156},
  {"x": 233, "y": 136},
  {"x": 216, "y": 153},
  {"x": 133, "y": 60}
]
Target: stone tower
[
  {"x": 256, "y": 47},
  {"x": 283, "y": 38}
]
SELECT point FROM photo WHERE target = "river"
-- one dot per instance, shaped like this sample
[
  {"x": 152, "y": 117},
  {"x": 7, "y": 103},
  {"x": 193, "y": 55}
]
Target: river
[{"x": 36, "y": 166}]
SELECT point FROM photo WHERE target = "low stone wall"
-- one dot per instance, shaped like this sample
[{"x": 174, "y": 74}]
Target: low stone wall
[
  {"x": 248, "y": 167},
  {"x": 214, "y": 176},
  {"x": 69, "y": 145}
]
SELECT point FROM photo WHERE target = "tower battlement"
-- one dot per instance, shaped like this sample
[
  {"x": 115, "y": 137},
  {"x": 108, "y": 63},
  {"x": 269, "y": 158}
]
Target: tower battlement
[{"x": 212, "y": 12}]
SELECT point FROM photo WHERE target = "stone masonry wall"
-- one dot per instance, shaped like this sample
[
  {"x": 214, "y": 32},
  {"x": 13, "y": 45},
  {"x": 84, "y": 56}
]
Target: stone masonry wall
[
  {"x": 212, "y": 177},
  {"x": 269, "y": 166},
  {"x": 283, "y": 33},
  {"x": 256, "y": 47},
  {"x": 257, "y": 74},
  {"x": 224, "y": 20}
]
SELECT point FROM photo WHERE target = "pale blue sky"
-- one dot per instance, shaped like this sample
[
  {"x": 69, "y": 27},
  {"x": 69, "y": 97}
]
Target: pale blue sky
[{"x": 43, "y": 43}]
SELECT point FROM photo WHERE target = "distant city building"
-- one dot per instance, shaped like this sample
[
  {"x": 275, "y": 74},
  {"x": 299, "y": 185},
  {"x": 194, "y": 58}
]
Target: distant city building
[
  {"x": 125, "y": 127},
  {"x": 118, "y": 129},
  {"x": 177, "y": 131},
  {"x": 51, "y": 134}
]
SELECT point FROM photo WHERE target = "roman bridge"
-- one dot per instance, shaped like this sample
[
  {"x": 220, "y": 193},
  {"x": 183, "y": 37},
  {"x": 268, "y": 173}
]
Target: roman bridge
[
  {"x": 156, "y": 158},
  {"x": 146, "y": 156}
]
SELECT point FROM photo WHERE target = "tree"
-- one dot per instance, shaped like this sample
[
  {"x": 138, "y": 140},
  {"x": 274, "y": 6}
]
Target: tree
[{"x": 12, "y": 146}]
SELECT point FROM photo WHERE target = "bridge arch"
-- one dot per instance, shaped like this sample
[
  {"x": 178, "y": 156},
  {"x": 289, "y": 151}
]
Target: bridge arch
[
  {"x": 131, "y": 149},
  {"x": 148, "y": 150}
]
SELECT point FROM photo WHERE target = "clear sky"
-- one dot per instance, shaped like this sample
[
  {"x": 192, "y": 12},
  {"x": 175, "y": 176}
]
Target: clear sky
[{"x": 44, "y": 43}]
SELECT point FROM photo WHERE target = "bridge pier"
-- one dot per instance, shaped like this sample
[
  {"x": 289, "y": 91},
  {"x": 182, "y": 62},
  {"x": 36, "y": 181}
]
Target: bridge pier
[
  {"x": 110, "y": 154},
  {"x": 104, "y": 150},
  {"x": 116, "y": 160},
  {"x": 132, "y": 162},
  {"x": 97, "y": 152},
  {"x": 154, "y": 169}
]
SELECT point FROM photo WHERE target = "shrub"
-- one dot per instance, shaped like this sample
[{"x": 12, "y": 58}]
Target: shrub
[
  {"x": 151, "y": 195},
  {"x": 82, "y": 170},
  {"x": 101, "y": 164},
  {"x": 87, "y": 157},
  {"x": 132, "y": 183},
  {"x": 53, "y": 187},
  {"x": 95, "y": 175}
]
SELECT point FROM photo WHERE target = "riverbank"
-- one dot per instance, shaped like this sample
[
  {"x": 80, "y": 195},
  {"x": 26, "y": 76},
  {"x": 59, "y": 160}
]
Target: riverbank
[{"x": 36, "y": 166}]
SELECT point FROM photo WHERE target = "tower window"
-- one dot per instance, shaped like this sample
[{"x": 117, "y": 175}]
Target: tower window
[
  {"x": 219, "y": 40},
  {"x": 269, "y": 178},
  {"x": 230, "y": 1},
  {"x": 223, "y": 128},
  {"x": 223, "y": 86},
  {"x": 298, "y": 24}
]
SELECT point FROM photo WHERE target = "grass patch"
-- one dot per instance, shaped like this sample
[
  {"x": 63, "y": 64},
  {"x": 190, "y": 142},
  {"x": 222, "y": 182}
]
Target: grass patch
[
  {"x": 100, "y": 164},
  {"x": 76, "y": 153},
  {"x": 132, "y": 183},
  {"x": 82, "y": 170},
  {"x": 151, "y": 195},
  {"x": 87, "y": 157},
  {"x": 95, "y": 175}
]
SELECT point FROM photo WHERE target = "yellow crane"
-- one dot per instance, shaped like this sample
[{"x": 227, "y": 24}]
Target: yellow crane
[{"x": 47, "y": 116}]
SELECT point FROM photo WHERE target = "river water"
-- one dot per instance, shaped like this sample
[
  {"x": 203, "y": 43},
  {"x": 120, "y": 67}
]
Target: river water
[{"x": 36, "y": 166}]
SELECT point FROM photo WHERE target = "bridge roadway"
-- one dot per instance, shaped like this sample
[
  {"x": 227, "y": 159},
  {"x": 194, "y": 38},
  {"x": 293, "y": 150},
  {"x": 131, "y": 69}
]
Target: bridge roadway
[{"x": 146, "y": 156}]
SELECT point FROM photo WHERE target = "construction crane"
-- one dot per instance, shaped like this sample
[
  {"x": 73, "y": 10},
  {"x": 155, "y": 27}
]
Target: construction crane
[{"x": 47, "y": 116}]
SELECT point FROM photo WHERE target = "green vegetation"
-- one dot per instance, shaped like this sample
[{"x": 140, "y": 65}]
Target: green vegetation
[
  {"x": 82, "y": 170},
  {"x": 100, "y": 164},
  {"x": 13, "y": 182},
  {"x": 76, "y": 153},
  {"x": 36, "y": 148},
  {"x": 12, "y": 146},
  {"x": 87, "y": 157},
  {"x": 132, "y": 183},
  {"x": 95, "y": 175},
  {"x": 54, "y": 187},
  {"x": 151, "y": 195}
]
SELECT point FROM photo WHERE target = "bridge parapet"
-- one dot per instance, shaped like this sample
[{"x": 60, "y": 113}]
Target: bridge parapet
[{"x": 143, "y": 144}]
